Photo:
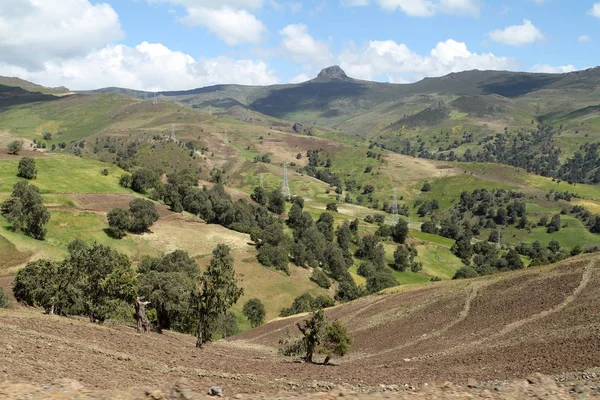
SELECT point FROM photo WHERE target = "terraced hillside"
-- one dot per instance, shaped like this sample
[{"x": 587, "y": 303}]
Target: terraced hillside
[{"x": 542, "y": 319}]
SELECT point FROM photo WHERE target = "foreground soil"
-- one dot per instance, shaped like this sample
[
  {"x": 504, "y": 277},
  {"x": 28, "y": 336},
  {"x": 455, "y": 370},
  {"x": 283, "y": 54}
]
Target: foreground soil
[{"x": 488, "y": 333}]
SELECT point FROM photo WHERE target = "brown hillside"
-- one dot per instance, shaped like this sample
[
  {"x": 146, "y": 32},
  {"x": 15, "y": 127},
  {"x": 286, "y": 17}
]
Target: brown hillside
[{"x": 492, "y": 328}]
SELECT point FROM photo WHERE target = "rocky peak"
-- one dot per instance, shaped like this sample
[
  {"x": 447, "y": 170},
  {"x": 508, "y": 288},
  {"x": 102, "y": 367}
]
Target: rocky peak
[{"x": 334, "y": 72}]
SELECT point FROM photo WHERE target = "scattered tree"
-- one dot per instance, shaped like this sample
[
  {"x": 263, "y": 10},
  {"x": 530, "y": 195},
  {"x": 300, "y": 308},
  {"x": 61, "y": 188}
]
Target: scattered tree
[
  {"x": 118, "y": 221},
  {"x": 15, "y": 147},
  {"x": 143, "y": 215},
  {"x": 27, "y": 168},
  {"x": 25, "y": 210},
  {"x": 255, "y": 312}
]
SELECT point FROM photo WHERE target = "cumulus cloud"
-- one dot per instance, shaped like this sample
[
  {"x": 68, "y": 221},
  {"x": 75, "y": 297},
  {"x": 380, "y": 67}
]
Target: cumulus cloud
[
  {"x": 517, "y": 35},
  {"x": 33, "y": 32},
  {"x": 595, "y": 10},
  {"x": 415, "y": 8},
  {"x": 354, "y": 3},
  {"x": 302, "y": 47},
  {"x": 549, "y": 69},
  {"x": 230, "y": 20},
  {"x": 148, "y": 66},
  {"x": 232, "y": 26},
  {"x": 399, "y": 63}
]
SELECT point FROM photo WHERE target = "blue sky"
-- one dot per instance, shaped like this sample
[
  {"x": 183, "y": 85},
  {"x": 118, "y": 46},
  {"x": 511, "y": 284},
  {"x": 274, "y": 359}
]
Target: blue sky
[{"x": 179, "y": 44}]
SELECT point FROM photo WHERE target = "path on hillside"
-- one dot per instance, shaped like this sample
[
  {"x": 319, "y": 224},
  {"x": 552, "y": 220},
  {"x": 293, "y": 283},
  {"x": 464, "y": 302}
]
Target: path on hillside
[{"x": 585, "y": 279}]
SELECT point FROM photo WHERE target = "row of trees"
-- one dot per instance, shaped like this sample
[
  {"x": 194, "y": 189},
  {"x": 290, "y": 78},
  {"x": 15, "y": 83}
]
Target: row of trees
[{"x": 97, "y": 280}]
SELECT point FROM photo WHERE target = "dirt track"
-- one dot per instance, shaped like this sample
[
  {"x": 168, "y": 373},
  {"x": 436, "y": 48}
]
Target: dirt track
[{"x": 490, "y": 329}]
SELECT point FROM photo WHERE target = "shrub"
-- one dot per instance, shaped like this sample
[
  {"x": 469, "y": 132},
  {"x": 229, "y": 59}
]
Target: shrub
[
  {"x": 255, "y": 312},
  {"x": 320, "y": 278},
  {"x": 4, "y": 302},
  {"x": 104, "y": 172},
  {"x": 465, "y": 272},
  {"x": 331, "y": 207},
  {"x": 119, "y": 221},
  {"x": 27, "y": 168},
  {"x": 15, "y": 146},
  {"x": 426, "y": 187}
]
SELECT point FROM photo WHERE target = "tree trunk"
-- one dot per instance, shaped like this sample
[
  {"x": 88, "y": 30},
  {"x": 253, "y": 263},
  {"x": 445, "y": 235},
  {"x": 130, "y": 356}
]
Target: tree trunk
[
  {"x": 326, "y": 360},
  {"x": 140, "y": 315},
  {"x": 51, "y": 312}
]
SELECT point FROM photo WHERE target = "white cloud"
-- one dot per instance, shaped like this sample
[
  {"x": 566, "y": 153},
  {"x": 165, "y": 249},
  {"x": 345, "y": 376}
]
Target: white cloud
[
  {"x": 460, "y": 7},
  {"x": 549, "y": 69},
  {"x": 232, "y": 26},
  {"x": 400, "y": 64},
  {"x": 33, "y": 32},
  {"x": 584, "y": 38},
  {"x": 302, "y": 47},
  {"x": 595, "y": 10},
  {"x": 230, "y": 20},
  {"x": 414, "y": 8},
  {"x": 301, "y": 78},
  {"x": 354, "y": 3},
  {"x": 425, "y": 8},
  {"x": 148, "y": 66},
  {"x": 517, "y": 35}
]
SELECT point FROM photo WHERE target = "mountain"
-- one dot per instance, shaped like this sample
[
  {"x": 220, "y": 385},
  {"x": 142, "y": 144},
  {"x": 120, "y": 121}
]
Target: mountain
[{"x": 31, "y": 87}]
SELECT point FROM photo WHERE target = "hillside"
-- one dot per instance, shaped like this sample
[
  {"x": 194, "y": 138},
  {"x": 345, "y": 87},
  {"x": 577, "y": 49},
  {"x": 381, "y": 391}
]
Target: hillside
[{"x": 490, "y": 329}]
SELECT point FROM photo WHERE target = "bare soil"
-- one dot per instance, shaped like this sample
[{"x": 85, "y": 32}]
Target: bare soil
[{"x": 490, "y": 330}]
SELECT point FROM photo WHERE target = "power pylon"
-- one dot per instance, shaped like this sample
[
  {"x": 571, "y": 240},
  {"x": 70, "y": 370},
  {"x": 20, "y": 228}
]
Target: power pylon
[{"x": 395, "y": 209}]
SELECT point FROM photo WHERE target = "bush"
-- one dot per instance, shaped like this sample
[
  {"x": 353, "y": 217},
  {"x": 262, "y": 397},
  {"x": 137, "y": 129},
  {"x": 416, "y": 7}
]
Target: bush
[
  {"x": 331, "y": 207},
  {"x": 320, "y": 278},
  {"x": 255, "y": 312},
  {"x": 126, "y": 180},
  {"x": 4, "y": 302},
  {"x": 27, "y": 168},
  {"x": 426, "y": 187},
  {"x": 400, "y": 231},
  {"x": 15, "y": 146},
  {"x": 104, "y": 172},
  {"x": 380, "y": 280},
  {"x": 465, "y": 273}
]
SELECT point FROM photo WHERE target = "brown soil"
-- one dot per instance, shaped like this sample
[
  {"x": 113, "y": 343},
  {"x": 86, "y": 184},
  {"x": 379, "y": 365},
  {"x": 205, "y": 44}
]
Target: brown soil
[{"x": 490, "y": 329}]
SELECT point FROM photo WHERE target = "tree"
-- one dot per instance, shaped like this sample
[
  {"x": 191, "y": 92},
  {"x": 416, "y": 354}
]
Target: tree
[
  {"x": 426, "y": 187},
  {"x": 255, "y": 312},
  {"x": 143, "y": 179},
  {"x": 25, "y": 211},
  {"x": 463, "y": 248},
  {"x": 325, "y": 225},
  {"x": 331, "y": 207},
  {"x": 318, "y": 336},
  {"x": 167, "y": 282},
  {"x": 276, "y": 202},
  {"x": 126, "y": 180},
  {"x": 143, "y": 215},
  {"x": 554, "y": 225},
  {"x": 105, "y": 276},
  {"x": 118, "y": 222},
  {"x": 217, "y": 291},
  {"x": 380, "y": 280},
  {"x": 320, "y": 278},
  {"x": 404, "y": 257},
  {"x": 554, "y": 246},
  {"x": 27, "y": 168},
  {"x": 259, "y": 195},
  {"x": 15, "y": 146},
  {"x": 400, "y": 231},
  {"x": 513, "y": 260}
]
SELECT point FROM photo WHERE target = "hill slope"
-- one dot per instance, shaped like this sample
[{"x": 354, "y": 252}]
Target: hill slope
[{"x": 503, "y": 326}]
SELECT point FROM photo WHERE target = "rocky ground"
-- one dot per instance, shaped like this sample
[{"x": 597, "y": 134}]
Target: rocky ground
[{"x": 536, "y": 386}]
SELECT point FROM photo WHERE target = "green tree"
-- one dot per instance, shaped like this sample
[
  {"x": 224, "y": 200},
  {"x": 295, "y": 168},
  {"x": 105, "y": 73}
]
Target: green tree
[
  {"x": 336, "y": 341},
  {"x": 325, "y": 225},
  {"x": 106, "y": 278},
  {"x": 25, "y": 211},
  {"x": 143, "y": 215},
  {"x": 320, "y": 278},
  {"x": 217, "y": 291},
  {"x": 400, "y": 231},
  {"x": 126, "y": 180},
  {"x": 15, "y": 146},
  {"x": 27, "y": 168},
  {"x": 463, "y": 248},
  {"x": 143, "y": 179},
  {"x": 118, "y": 222},
  {"x": 331, "y": 207},
  {"x": 276, "y": 202},
  {"x": 404, "y": 257},
  {"x": 380, "y": 280},
  {"x": 554, "y": 225},
  {"x": 259, "y": 195},
  {"x": 255, "y": 312},
  {"x": 167, "y": 282}
]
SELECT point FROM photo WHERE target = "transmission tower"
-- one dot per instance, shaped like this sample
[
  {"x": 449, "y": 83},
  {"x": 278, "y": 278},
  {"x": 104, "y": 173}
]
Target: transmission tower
[
  {"x": 395, "y": 209},
  {"x": 261, "y": 181},
  {"x": 154, "y": 100},
  {"x": 173, "y": 131},
  {"x": 210, "y": 109},
  {"x": 285, "y": 190}
]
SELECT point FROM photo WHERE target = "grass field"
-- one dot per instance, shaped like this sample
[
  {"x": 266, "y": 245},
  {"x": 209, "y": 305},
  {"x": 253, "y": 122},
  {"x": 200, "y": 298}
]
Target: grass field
[{"x": 63, "y": 173}]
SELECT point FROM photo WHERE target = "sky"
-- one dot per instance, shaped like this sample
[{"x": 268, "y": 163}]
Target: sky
[{"x": 182, "y": 44}]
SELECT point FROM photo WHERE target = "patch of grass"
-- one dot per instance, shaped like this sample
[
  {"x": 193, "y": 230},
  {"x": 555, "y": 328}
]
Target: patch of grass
[{"x": 63, "y": 173}]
